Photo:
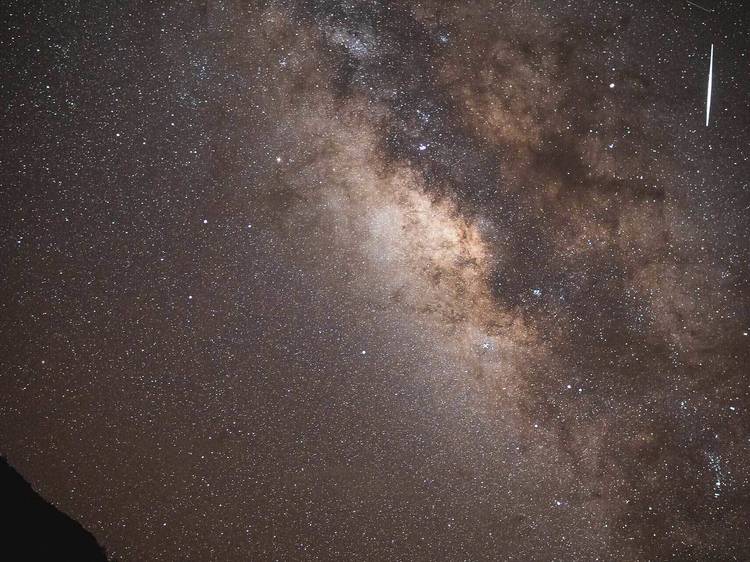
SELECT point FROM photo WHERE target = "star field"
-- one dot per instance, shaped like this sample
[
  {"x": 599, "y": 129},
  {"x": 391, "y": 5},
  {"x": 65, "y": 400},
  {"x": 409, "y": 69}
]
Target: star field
[{"x": 379, "y": 280}]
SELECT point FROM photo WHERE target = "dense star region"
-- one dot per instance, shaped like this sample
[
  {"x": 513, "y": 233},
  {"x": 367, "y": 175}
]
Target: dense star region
[{"x": 380, "y": 280}]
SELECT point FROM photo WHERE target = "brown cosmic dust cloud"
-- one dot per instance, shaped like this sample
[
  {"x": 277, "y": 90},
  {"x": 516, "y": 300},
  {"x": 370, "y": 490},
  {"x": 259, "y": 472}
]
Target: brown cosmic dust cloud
[{"x": 380, "y": 280}]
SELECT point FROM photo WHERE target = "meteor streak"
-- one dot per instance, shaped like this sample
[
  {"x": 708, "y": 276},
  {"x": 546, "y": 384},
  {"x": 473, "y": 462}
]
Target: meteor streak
[
  {"x": 710, "y": 79},
  {"x": 700, "y": 7}
]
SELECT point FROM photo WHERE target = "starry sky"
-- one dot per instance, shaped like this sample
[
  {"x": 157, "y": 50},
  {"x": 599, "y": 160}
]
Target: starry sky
[{"x": 379, "y": 280}]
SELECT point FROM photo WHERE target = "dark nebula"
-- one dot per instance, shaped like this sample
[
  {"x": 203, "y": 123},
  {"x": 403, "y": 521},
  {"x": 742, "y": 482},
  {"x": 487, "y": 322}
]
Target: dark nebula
[{"x": 339, "y": 280}]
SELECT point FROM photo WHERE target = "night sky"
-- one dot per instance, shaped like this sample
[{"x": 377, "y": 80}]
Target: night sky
[{"x": 380, "y": 280}]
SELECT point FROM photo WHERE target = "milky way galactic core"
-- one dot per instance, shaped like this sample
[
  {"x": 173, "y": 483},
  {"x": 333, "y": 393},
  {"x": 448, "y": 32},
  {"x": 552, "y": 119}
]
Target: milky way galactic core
[{"x": 357, "y": 279}]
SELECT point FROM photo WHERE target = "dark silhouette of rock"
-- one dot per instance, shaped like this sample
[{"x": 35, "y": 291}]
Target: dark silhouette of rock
[{"x": 33, "y": 529}]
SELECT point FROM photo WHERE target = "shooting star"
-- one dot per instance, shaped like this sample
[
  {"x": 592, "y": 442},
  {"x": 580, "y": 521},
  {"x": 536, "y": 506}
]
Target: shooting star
[
  {"x": 710, "y": 79},
  {"x": 699, "y": 7}
]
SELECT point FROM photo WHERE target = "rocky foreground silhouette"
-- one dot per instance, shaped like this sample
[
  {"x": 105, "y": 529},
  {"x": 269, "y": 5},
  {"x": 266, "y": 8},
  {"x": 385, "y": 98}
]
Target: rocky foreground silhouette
[{"x": 34, "y": 529}]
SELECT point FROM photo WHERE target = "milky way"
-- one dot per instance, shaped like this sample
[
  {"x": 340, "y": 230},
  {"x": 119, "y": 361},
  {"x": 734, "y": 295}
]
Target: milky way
[{"x": 333, "y": 280}]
